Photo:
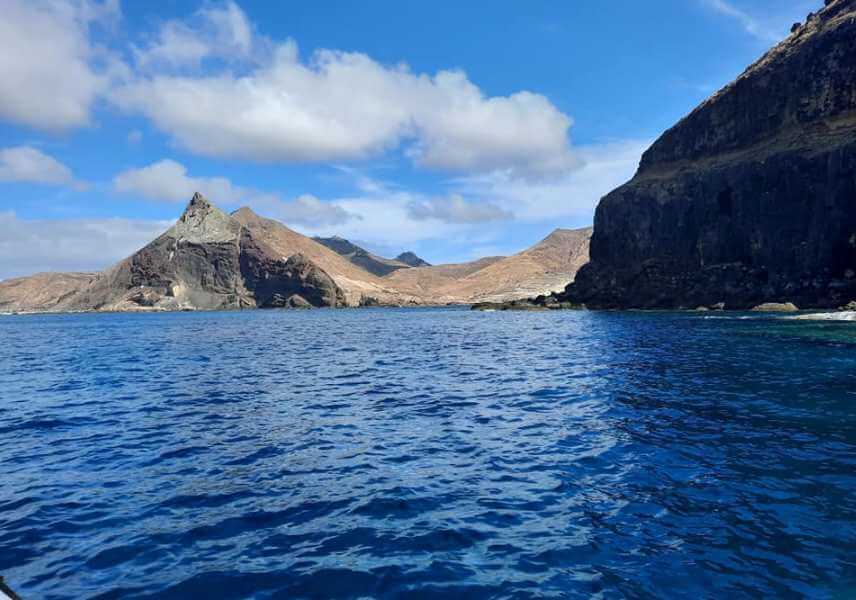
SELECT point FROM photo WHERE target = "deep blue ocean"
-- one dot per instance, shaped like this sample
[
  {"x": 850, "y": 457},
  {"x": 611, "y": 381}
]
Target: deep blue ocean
[{"x": 427, "y": 453}]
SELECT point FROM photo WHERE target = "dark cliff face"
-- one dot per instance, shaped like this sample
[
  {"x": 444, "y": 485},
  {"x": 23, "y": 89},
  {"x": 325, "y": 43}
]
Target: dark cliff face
[
  {"x": 752, "y": 197},
  {"x": 274, "y": 282}
]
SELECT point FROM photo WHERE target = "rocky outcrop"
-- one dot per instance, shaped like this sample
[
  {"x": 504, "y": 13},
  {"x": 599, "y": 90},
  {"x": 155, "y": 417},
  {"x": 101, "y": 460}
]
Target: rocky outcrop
[
  {"x": 410, "y": 259},
  {"x": 359, "y": 286},
  {"x": 749, "y": 199},
  {"x": 296, "y": 282},
  {"x": 195, "y": 265},
  {"x": 206, "y": 261},
  {"x": 776, "y": 307}
]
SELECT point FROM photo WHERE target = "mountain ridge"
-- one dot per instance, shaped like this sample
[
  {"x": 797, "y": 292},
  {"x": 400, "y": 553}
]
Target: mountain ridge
[{"x": 210, "y": 260}]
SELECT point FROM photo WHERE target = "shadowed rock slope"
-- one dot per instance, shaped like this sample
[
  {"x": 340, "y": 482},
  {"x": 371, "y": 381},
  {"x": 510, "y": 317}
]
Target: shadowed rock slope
[
  {"x": 374, "y": 264},
  {"x": 749, "y": 199},
  {"x": 358, "y": 285},
  {"x": 411, "y": 260}
]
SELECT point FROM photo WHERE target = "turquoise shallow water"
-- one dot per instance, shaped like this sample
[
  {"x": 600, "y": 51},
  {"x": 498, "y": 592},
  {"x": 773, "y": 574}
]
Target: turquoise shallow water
[{"x": 420, "y": 453}]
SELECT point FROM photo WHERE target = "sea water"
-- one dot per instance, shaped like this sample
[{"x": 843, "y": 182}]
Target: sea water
[{"x": 427, "y": 453}]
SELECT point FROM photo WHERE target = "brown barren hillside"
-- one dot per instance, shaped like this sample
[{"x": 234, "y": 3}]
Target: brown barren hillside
[
  {"x": 359, "y": 286},
  {"x": 209, "y": 260},
  {"x": 42, "y": 291},
  {"x": 546, "y": 267}
]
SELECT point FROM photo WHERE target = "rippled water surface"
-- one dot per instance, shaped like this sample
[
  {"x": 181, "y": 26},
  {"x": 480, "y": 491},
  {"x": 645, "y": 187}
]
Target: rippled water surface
[{"x": 424, "y": 453}]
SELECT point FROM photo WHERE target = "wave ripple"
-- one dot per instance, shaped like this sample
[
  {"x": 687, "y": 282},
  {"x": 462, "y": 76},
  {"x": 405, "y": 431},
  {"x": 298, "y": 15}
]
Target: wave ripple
[{"x": 420, "y": 453}]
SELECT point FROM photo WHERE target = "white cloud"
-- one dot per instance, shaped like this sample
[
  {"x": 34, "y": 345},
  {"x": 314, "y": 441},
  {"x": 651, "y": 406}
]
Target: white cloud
[
  {"x": 221, "y": 31},
  {"x": 386, "y": 212},
  {"x": 455, "y": 209},
  {"x": 168, "y": 181},
  {"x": 48, "y": 74},
  {"x": 69, "y": 245},
  {"x": 27, "y": 164},
  {"x": 334, "y": 106},
  {"x": 566, "y": 201},
  {"x": 220, "y": 89},
  {"x": 306, "y": 210}
]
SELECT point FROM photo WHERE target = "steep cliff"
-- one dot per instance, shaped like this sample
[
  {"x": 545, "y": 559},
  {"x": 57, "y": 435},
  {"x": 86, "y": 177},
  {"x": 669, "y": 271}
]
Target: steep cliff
[{"x": 752, "y": 197}]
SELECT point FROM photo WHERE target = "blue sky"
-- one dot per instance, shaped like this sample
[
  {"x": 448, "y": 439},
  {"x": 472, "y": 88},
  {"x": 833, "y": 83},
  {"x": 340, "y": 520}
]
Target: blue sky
[{"x": 449, "y": 128}]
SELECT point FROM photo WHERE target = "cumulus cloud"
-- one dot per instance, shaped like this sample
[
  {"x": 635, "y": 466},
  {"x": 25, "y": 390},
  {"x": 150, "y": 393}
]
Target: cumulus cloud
[
  {"x": 169, "y": 181},
  {"x": 566, "y": 201},
  {"x": 455, "y": 209},
  {"x": 220, "y": 89},
  {"x": 50, "y": 72},
  {"x": 334, "y": 105},
  {"x": 69, "y": 245},
  {"x": 27, "y": 164}
]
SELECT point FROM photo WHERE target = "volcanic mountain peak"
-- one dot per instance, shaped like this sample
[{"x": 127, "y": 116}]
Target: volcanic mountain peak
[{"x": 409, "y": 258}]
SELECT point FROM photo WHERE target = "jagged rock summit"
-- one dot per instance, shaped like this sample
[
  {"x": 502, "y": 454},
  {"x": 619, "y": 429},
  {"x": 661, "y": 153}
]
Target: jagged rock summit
[{"x": 749, "y": 199}]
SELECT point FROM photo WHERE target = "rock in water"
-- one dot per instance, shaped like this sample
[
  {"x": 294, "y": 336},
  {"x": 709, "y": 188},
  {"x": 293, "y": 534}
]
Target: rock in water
[
  {"x": 776, "y": 307},
  {"x": 749, "y": 199}
]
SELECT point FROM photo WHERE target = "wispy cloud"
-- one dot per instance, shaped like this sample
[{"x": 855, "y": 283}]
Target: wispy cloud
[
  {"x": 455, "y": 209},
  {"x": 25, "y": 163},
  {"x": 750, "y": 24},
  {"x": 69, "y": 244}
]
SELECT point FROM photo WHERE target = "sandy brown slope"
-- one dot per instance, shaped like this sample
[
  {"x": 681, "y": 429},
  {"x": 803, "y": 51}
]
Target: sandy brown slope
[
  {"x": 359, "y": 286},
  {"x": 546, "y": 267},
  {"x": 42, "y": 291},
  {"x": 429, "y": 282}
]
